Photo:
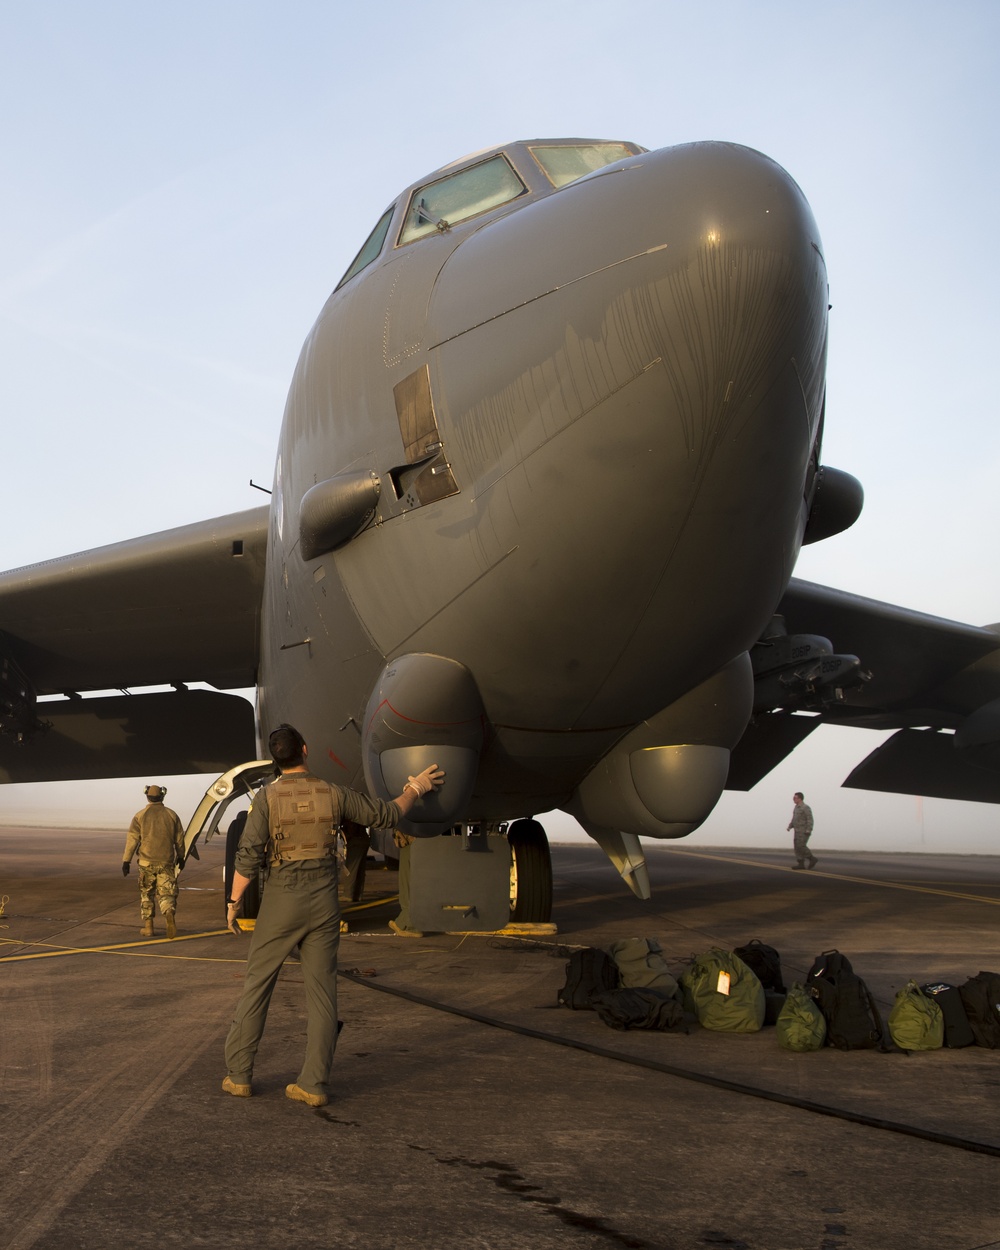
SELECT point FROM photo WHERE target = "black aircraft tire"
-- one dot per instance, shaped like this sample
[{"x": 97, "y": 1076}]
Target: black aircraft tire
[
  {"x": 251, "y": 898},
  {"x": 531, "y": 874}
]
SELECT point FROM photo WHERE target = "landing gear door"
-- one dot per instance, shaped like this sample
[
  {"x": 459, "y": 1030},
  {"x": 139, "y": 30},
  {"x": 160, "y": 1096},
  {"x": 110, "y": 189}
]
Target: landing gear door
[
  {"x": 236, "y": 783},
  {"x": 460, "y": 883}
]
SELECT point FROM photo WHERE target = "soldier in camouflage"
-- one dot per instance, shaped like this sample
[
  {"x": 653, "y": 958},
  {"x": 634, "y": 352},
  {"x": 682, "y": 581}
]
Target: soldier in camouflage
[
  {"x": 294, "y": 825},
  {"x": 802, "y": 826},
  {"x": 158, "y": 835}
]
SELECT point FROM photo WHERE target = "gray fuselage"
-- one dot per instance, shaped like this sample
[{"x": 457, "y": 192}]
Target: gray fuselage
[{"x": 625, "y": 383}]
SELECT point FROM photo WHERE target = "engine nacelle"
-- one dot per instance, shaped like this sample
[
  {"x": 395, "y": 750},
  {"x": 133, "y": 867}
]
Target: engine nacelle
[{"x": 800, "y": 671}]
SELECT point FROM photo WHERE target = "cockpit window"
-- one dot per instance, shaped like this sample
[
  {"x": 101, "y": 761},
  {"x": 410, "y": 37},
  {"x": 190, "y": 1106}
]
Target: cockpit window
[
  {"x": 460, "y": 196},
  {"x": 372, "y": 247},
  {"x": 562, "y": 165}
]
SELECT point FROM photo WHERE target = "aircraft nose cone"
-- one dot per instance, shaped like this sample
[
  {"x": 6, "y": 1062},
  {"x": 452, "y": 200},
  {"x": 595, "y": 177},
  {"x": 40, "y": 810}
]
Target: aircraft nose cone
[
  {"x": 677, "y": 212},
  {"x": 647, "y": 348},
  {"x": 701, "y": 261}
]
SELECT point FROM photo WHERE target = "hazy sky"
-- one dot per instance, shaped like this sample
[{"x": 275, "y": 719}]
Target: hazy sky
[{"x": 184, "y": 185}]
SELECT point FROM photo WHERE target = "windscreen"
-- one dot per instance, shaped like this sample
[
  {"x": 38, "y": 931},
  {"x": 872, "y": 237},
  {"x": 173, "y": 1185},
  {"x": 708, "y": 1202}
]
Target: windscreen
[
  {"x": 372, "y": 247},
  {"x": 562, "y": 165},
  {"x": 460, "y": 196}
]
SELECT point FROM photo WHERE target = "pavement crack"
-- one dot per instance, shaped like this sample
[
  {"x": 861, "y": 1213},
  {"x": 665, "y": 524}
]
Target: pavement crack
[
  {"x": 508, "y": 1179},
  {"x": 332, "y": 1119}
]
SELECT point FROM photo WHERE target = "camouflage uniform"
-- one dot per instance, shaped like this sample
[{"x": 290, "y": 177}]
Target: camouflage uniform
[
  {"x": 802, "y": 826},
  {"x": 158, "y": 835},
  {"x": 299, "y": 907}
]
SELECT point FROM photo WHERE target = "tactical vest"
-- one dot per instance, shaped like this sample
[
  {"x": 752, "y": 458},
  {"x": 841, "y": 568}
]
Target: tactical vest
[{"x": 303, "y": 819}]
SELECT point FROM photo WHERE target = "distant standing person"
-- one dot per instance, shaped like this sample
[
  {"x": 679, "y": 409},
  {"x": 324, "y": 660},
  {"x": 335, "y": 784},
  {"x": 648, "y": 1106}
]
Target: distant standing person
[
  {"x": 401, "y": 924},
  {"x": 158, "y": 835},
  {"x": 293, "y": 825},
  {"x": 802, "y": 825}
]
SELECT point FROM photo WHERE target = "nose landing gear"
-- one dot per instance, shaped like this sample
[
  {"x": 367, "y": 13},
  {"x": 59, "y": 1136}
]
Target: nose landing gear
[{"x": 530, "y": 873}]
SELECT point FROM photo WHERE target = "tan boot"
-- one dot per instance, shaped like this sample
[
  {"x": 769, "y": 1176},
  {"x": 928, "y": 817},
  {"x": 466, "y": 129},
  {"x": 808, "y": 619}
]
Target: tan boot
[
  {"x": 398, "y": 929},
  {"x": 171, "y": 926},
  {"x": 235, "y": 1088},
  {"x": 147, "y": 928},
  {"x": 298, "y": 1094}
]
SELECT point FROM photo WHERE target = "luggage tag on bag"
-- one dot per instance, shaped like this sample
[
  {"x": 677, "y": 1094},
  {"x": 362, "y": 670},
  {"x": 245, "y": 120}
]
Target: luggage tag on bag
[{"x": 723, "y": 985}]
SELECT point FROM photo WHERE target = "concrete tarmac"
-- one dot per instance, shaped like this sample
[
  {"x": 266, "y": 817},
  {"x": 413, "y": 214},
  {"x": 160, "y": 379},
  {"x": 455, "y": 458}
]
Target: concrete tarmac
[{"x": 516, "y": 1125}]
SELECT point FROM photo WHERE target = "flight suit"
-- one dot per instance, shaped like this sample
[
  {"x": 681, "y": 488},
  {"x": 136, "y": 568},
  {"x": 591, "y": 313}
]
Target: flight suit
[
  {"x": 158, "y": 835},
  {"x": 299, "y": 907}
]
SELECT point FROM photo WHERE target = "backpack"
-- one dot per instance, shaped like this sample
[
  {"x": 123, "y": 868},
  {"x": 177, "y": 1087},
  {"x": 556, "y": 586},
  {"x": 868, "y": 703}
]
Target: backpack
[
  {"x": 916, "y": 1022},
  {"x": 800, "y": 1024},
  {"x": 981, "y": 999},
  {"x": 957, "y": 1030},
  {"x": 590, "y": 971},
  {"x": 852, "y": 1019},
  {"x": 641, "y": 965},
  {"x": 723, "y": 993},
  {"x": 765, "y": 962},
  {"x": 638, "y": 1009}
]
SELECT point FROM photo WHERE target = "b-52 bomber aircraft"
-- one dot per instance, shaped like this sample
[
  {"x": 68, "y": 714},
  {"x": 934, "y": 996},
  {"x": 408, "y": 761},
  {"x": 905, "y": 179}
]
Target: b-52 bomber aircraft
[{"x": 548, "y": 458}]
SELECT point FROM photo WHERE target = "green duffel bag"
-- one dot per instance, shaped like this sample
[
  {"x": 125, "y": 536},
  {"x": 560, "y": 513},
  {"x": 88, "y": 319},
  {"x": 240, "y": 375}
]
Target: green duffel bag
[
  {"x": 800, "y": 1024},
  {"x": 916, "y": 1022},
  {"x": 723, "y": 993},
  {"x": 641, "y": 965}
]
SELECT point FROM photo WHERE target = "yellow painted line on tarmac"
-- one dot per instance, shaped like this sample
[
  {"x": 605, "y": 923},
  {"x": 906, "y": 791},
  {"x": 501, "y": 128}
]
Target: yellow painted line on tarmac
[
  {"x": 134, "y": 948},
  {"x": 375, "y": 902},
  {"x": 546, "y": 929},
  {"x": 836, "y": 876},
  {"x": 56, "y": 951}
]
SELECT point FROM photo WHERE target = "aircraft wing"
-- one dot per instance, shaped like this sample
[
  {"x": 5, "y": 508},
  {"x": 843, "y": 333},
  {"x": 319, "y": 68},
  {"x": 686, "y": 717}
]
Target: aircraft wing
[
  {"x": 174, "y": 607},
  {"x": 935, "y": 681},
  {"x": 915, "y": 660}
]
